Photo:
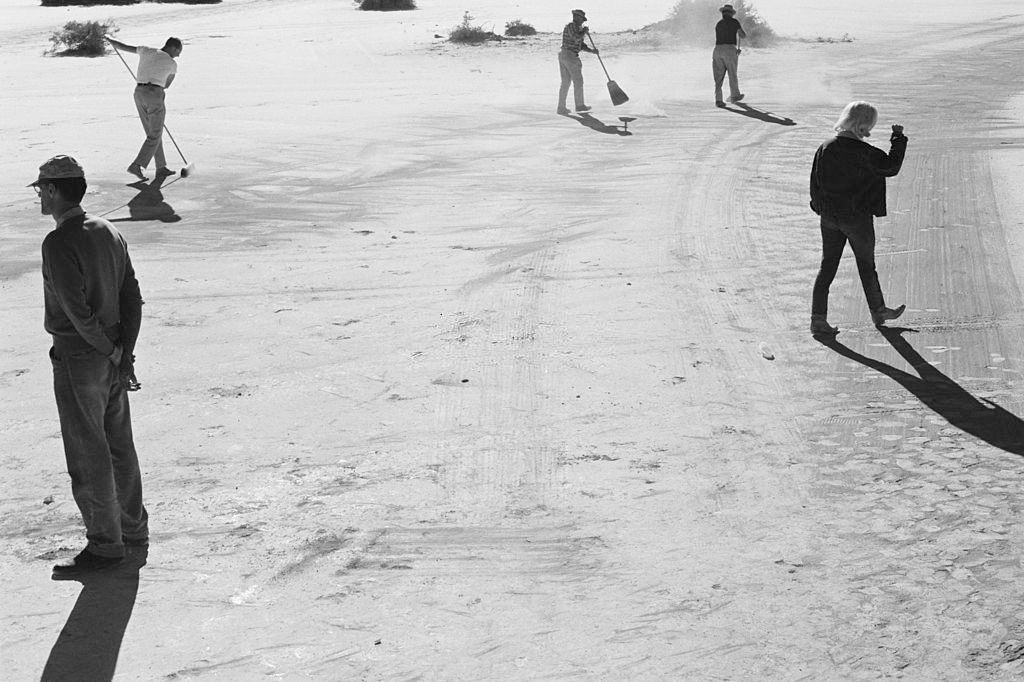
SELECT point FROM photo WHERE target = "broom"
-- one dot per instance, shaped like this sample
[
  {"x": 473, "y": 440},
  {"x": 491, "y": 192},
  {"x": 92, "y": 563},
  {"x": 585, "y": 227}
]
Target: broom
[
  {"x": 187, "y": 170},
  {"x": 617, "y": 95}
]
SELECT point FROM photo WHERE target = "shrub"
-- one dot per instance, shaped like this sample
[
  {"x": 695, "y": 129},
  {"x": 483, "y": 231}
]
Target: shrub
[
  {"x": 518, "y": 28},
  {"x": 467, "y": 32},
  {"x": 86, "y": 3},
  {"x": 89, "y": 3},
  {"x": 387, "y": 5},
  {"x": 694, "y": 20},
  {"x": 82, "y": 38}
]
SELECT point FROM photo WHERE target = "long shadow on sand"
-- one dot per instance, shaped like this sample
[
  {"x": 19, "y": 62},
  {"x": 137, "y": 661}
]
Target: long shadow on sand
[
  {"x": 766, "y": 116},
  {"x": 980, "y": 418},
  {"x": 149, "y": 203},
  {"x": 598, "y": 125},
  {"x": 88, "y": 646}
]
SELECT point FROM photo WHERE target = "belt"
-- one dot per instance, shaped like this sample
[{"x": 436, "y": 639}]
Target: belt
[{"x": 150, "y": 85}]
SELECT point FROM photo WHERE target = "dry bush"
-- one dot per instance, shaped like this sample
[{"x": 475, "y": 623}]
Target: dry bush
[
  {"x": 467, "y": 32},
  {"x": 387, "y": 5},
  {"x": 82, "y": 39},
  {"x": 519, "y": 28},
  {"x": 86, "y": 3}
]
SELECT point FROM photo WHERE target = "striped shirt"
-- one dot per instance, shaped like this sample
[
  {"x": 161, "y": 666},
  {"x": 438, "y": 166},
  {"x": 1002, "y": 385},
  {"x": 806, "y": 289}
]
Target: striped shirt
[{"x": 572, "y": 37}]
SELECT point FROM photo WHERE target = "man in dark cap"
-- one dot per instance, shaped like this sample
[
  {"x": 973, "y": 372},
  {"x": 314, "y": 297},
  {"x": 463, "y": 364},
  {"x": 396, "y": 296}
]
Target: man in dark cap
[
  {"x": 569, "y": 62},
  {"x": 726, "y": 58},
  {"x": 93, "y": 310}
]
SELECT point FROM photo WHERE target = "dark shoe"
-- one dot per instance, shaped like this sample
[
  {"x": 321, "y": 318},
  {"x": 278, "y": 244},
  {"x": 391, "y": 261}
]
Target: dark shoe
[
  {"x": 562, "y": 111},
  {"x": 819, "y": 325},
  {"x": 583, "y": 108},
  {"x": 720, "y": 104},
  {"x": 136, "y": 170},
  {"x": 85, "y": 562},
  {"x": 736, "y": 98},
  {"x": 882, "y": 314},
  {"x": 164, "y": 172}
]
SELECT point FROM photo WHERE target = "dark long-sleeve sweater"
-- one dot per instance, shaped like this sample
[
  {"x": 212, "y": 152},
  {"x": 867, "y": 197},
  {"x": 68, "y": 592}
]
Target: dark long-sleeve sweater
[
  {"x": 848, "y": 176},
  {"x": 91, "y": 296}
]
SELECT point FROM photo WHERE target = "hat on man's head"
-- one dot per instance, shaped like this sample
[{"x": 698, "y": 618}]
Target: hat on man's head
[
  {"x": 726, "y": 8},
  {"x": 59, "y": 167},
  {"x": 579, "y": 13}
]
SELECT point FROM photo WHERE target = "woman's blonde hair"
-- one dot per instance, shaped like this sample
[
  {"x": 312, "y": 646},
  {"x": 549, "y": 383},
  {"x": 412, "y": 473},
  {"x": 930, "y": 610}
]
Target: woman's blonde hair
[{"x": 858, "y": 118}]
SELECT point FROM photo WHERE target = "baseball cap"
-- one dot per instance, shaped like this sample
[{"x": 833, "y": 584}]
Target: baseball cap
[{"x": 59, "y": 167}]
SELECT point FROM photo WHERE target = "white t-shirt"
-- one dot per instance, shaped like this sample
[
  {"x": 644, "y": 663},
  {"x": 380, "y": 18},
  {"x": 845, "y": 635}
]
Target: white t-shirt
[{"x": 155, "y": 66}]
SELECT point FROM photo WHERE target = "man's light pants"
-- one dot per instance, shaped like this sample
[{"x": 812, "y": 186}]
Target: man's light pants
[
  {"x": 572, "y": 72},
  {"x": 150, "y": 103},
  {"x": 725, "y": 60}
]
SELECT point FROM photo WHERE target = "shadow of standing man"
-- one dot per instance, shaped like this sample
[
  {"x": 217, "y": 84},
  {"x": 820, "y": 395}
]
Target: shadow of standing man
[
  {"x": 149, "y": 204},
  {"x": 600, "y": 126},
  {"x": 87, "y": 648},
  {"x": 766, "y": 116},
  {"x": 981, "y": 418}
]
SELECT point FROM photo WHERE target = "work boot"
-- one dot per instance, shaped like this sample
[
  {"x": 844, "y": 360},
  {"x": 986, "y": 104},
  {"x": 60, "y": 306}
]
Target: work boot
[
  {"x": 136, "y": 170},
  {"x": 562, "y": 111},
  {"x": 85, "y": 562},
  {"x": 819, "y": 325},
  {"x": 720, "y": 104},
  {"x": 164, "y": 172},
  {"x": 882, "y": 314}
]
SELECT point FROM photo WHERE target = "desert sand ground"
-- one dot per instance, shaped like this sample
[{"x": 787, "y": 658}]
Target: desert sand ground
[{"x": 438, "y": 385}]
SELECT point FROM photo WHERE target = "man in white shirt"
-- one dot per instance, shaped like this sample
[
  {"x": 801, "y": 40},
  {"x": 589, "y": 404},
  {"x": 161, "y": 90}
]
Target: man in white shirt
[{"x": 155, "y": 74}]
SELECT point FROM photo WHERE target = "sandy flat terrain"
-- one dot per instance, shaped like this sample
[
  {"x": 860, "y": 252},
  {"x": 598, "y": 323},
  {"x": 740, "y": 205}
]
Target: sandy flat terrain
[{"x": 439, "y": 385}]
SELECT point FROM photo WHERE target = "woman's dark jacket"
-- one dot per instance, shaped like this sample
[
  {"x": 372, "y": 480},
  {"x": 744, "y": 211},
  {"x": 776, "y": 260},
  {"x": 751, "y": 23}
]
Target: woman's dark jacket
[{"x": 848, "y": 176}]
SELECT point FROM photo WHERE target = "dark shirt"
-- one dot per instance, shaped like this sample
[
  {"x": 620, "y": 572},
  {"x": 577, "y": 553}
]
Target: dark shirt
[
  {"x": 90, "y": 293},
  {"x": 726, "y": 30},
  {"x": 848, "y": 176}
]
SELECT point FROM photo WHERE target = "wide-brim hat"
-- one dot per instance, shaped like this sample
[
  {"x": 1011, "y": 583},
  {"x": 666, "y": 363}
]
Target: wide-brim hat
[
  {"x": 579, "y": 13},
  {"x": 58, "y": 168},
  {"x": 726, "y": 8}
]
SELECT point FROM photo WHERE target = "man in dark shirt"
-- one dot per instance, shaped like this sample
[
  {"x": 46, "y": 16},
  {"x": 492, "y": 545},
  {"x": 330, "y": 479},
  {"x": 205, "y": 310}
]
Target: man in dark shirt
[
  {"x": 569, "y": 63},
  {"x": 726, "y": 57},
  {"x": 93, "y": 310},
  {"x": 847, "y": 187}
]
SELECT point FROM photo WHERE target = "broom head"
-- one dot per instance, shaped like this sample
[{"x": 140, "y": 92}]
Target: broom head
[{"x": 617, "y": 95}]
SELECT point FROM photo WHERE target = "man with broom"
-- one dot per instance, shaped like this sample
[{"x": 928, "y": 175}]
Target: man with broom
[
  {"x": 569, "y": 62},
  {"x": 155, "y": 74}
]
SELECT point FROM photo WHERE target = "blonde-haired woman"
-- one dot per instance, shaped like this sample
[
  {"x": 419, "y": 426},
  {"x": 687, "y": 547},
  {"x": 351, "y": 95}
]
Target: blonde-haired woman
[{"x": 848, "y": 191}]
